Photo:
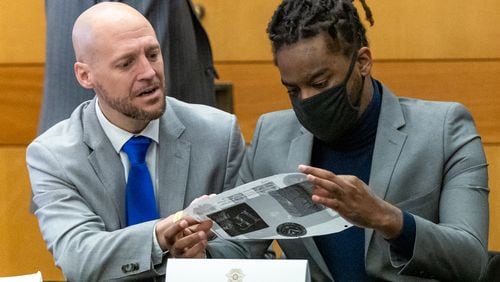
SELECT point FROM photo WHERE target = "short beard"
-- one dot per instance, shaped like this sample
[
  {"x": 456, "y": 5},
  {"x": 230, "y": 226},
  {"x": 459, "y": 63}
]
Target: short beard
[{"x": 123, "y": 105}]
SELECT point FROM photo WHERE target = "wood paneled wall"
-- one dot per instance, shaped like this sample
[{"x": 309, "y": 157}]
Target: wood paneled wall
[
  {"x": 424, "y": 29},
  {"x": 437, "y": 50},
  {"x": 22, "y": 249},
  {"x": 20, "y": 100},
  {"x": 22, "y": 48},
  {"x": 22, "y": 31}
]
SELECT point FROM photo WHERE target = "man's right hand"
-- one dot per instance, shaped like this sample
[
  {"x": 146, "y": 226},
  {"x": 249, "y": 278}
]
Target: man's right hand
[{"x": 184, "y": 238}]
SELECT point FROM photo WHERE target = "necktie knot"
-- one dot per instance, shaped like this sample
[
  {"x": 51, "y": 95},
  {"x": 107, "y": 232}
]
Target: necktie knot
[{"x": 136, "y": 148}]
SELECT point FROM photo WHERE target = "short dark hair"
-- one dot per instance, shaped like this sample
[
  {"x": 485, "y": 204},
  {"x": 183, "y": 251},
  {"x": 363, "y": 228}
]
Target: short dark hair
[{"x": 299, "y": 19}]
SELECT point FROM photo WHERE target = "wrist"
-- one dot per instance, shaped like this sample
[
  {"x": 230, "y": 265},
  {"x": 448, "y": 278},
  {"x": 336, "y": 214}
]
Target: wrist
[{"x": 392, "y": 223}]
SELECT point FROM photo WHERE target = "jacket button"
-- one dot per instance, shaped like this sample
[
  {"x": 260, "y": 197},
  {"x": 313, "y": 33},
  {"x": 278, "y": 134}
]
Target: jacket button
[{"x": 126, "y": 268}]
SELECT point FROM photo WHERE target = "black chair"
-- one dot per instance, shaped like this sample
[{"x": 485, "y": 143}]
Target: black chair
[{"x": 492, "y": 272}]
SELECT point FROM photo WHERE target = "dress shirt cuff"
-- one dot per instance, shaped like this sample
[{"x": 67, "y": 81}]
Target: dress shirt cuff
[{"x": 158, "y": 254}]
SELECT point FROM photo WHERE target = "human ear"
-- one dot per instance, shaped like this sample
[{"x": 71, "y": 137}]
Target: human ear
[
  {"x": 83, "y": 75},
  {"x": 364, "y": 61}
]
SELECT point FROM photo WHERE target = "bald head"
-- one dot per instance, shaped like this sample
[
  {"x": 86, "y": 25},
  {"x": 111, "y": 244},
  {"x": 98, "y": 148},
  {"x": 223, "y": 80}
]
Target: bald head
[{"x": 96, "y": 24}]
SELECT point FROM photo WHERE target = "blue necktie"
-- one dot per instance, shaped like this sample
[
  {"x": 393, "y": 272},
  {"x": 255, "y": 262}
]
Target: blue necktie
[{"x": 140, "y": 198}]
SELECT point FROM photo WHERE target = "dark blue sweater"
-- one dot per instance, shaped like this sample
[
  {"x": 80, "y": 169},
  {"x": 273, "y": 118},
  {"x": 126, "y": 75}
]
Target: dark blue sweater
[{"x": 343, "y": 252}]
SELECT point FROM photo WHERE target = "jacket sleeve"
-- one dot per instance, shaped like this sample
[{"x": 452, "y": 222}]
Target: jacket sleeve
[{"x": 456, "y": 247}]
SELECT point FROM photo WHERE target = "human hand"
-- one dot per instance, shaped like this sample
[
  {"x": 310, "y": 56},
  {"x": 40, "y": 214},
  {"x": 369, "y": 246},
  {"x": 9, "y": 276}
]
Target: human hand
[
  {"x": 202, "y": 197},
  {"x": 183, "y": 238},
  {"x": 210, "y": 234},
  {"x": 354, "y": 201}
]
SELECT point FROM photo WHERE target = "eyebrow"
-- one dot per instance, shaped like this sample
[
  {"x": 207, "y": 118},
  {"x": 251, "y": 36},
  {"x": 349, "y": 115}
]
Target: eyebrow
[
  {"x": 153, "y": 47},
  {"x": 132, "y": 54},
  {"x": 310, "y": 77}
]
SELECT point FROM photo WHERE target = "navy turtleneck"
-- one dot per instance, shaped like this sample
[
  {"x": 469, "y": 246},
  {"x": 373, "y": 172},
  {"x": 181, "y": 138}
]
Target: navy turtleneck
[{"x": 343, "y": 252}]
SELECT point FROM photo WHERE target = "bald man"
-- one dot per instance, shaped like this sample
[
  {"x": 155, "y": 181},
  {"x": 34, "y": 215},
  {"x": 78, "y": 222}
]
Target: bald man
[
  {"x": 189, "y": 69},
  {"x": 78, "y": 168}
]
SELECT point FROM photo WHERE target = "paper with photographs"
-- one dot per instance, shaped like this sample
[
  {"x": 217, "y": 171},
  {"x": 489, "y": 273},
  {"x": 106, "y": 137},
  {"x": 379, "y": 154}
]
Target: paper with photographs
[{"x": 275, "y": 207}]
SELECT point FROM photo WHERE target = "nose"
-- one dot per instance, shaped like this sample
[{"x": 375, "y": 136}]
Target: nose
[
  {"x": 145, "y": 69},
  {"x": 307, "y": 93}
]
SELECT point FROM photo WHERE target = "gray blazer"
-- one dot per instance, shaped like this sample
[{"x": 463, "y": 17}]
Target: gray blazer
[
  {"x": 189, "y": 70},
  {"x": 78, "y": 185},
  {"x": 428, "y": 160}
]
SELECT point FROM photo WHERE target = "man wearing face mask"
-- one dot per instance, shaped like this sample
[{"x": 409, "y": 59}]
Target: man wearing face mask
[{"x": 410, "y": 175}]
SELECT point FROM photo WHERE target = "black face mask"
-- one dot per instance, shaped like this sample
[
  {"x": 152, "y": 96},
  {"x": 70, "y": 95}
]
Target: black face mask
[{"x": 328, "y": 115}]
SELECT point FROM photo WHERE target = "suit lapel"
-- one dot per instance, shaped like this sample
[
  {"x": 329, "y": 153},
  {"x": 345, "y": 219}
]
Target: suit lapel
[
  {"x": 300, "y": 153},
  {"x": 104, "y": 160},
  {"x": 173, "y": 163},
  {"x": 300, "y": 150},
  {"x": 388, "y": 145},
  {"x": 313, "y": 250}
]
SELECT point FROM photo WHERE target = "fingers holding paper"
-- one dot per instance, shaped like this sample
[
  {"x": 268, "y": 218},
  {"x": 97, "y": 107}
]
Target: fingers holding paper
[
  {"x": 354, "y": 201},
  {"x": 183, "y": 237}
]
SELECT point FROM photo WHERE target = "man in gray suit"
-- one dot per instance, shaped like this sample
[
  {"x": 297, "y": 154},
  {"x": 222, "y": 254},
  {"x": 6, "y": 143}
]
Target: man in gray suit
[
  {"x": 410, "y": 175},
  {"x": 185, "y": 46},
  {"x": 78, "y": 168}
]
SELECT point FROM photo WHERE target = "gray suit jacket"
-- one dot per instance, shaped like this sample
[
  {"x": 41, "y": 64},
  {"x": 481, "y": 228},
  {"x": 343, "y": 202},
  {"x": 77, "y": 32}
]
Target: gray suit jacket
[
  {"x": 78, "y": 187},
  {"x": 189, "y": 70},
  {"x": 428, "y": 160}
]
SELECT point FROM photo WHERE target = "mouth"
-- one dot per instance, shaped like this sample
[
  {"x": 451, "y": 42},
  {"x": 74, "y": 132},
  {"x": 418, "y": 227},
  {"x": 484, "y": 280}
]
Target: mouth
[{"x": 148, "y": 91}]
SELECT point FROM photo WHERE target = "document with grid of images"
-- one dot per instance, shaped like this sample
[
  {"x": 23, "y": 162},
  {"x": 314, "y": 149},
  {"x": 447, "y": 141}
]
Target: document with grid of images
[{"x": 275, "y": 207}]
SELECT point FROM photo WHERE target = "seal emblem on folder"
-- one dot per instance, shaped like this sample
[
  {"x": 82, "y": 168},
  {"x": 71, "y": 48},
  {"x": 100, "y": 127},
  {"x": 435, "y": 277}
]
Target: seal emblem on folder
[{"x": 235, "y": 275}]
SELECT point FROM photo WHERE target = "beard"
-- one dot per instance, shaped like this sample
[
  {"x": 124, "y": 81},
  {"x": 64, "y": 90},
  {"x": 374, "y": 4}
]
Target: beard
[
  {"x": 125, "y": 106},
  {"x": 356, "y": 91}
]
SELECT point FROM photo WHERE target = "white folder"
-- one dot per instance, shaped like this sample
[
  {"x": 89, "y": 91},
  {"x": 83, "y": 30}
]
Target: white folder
[{"x": 237, "y": 270}]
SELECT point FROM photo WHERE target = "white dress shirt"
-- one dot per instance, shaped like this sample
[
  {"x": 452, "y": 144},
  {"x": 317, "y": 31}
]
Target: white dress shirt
[{"x": 118, "y": 137}]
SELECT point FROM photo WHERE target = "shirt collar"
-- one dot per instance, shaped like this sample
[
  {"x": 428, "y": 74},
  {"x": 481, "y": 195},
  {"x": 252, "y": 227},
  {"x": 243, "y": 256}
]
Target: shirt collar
[{"x": 118, "y": 136}]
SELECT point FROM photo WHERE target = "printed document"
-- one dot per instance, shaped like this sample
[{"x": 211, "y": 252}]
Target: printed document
[{"x": 275, "y": 207}]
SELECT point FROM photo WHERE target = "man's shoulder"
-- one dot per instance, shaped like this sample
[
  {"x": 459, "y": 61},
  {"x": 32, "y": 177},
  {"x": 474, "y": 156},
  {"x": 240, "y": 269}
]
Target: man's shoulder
[
  {"x": 195, "y": 110},
  {"x": 427, "y": 108},
  {"x": 422, "y": 103},
  {"x": 281, "y": 125},
  {"x": 194, "y": 116},
  {"x": 66, "y": 132},
  {"x": 418, "y": 108},
  {"x": 287, "y": 114},
  {"x": 282, "y": 118}
]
